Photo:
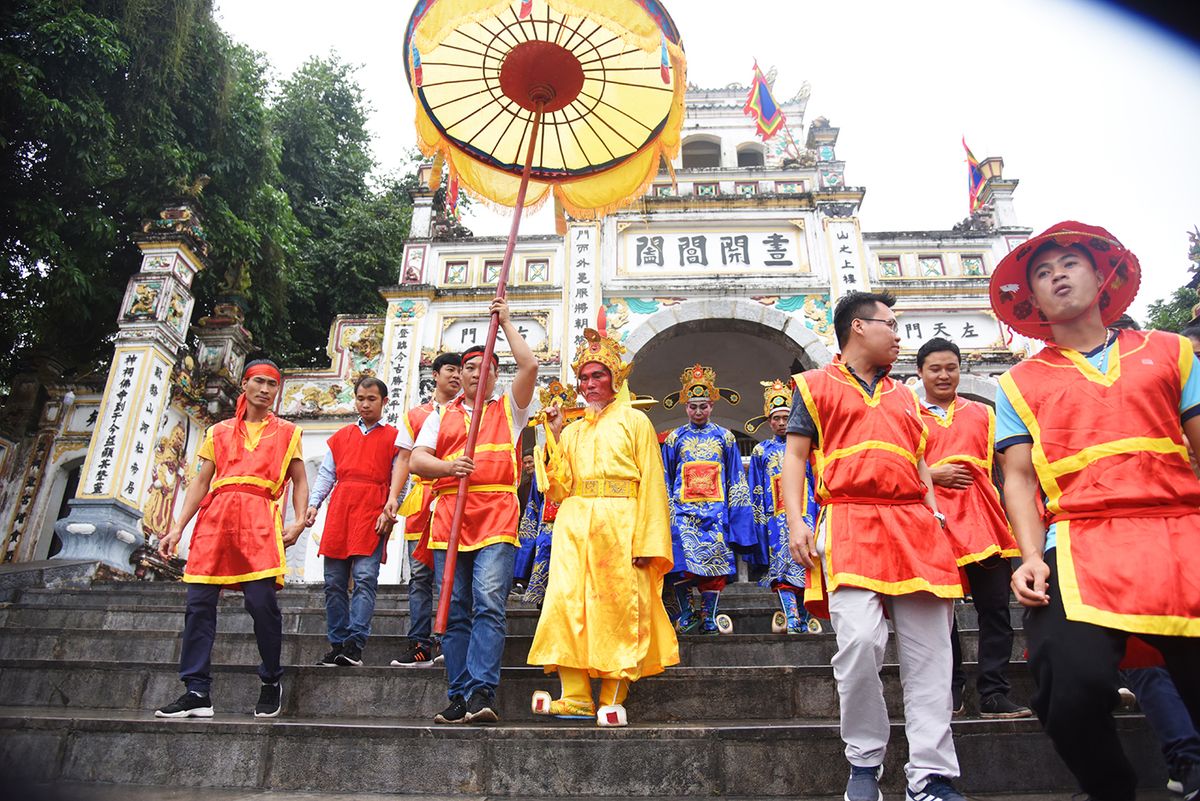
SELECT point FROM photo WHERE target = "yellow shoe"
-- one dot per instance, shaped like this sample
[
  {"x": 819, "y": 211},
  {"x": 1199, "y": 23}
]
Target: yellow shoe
[{"x": 567, "y": 709}]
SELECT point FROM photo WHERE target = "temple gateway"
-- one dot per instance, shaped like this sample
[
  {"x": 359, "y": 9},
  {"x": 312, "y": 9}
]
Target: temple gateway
[{"x": 736, "y": 258}]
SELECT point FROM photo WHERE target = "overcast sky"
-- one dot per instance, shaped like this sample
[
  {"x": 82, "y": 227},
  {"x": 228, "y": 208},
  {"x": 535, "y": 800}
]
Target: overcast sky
[{"x": 1093, "y": 111}]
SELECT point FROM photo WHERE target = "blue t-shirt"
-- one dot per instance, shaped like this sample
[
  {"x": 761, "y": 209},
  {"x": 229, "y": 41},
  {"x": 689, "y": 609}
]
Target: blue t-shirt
[{"x": 1011, "y": 430}]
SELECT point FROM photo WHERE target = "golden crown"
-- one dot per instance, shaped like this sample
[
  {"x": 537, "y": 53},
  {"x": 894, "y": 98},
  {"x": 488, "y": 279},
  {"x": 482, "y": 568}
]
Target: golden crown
[
  {"x": 776, "y": 395},
  {"x": 700, "y": 383},
  {"x": 603, "y": 350}
]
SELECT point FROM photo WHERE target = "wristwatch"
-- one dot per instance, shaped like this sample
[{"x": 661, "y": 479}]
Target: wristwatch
[{"x": 941, "y": 518}]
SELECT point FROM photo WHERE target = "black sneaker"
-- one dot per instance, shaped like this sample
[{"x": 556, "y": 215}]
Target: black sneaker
[
  {"x": 415, "y": 654},
  {"x": 998, "y": 705},
  {"x": 455, "y": 713},
  {"x": 351, "y": 655},
  {"x": 188, "y": 705},
  {"x": 270, "y": 701},
  {"x": 330, "y": 659},
  {"x": 480, "y": 709}
]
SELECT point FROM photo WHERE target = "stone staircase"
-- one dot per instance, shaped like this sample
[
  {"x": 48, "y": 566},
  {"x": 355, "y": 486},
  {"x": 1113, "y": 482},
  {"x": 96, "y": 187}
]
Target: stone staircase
[{"x": 747, "y": 715}]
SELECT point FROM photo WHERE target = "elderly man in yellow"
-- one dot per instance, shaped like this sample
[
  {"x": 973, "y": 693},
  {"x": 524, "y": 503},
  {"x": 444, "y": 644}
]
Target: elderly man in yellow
[{"x": 612, "y": 534}]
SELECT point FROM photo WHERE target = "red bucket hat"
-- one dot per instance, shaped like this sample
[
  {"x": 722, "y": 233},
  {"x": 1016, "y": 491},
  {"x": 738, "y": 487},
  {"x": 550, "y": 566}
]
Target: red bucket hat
[{"x": 1121, "y": 274}]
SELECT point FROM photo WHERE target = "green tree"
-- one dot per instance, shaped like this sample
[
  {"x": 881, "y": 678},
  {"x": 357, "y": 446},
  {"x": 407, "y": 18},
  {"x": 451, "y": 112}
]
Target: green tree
[
  {"x": 355, "y": 234},
  {"x": 108, "y": 110},
  {"x": 1175, "y": 312}
]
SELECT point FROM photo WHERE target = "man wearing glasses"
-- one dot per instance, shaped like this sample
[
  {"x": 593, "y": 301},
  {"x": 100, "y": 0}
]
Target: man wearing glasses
[{"x": 879, "y": 548}]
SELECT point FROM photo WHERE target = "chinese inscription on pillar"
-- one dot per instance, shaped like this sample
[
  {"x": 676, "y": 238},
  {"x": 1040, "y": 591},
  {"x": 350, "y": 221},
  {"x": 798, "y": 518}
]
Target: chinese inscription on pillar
[
  {"x": 845, "y": 255},
  {"x": 582, "y": 299}
]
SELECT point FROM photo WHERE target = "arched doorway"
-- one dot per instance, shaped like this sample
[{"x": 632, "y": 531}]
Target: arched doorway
[{"x": 744, "y": 341}]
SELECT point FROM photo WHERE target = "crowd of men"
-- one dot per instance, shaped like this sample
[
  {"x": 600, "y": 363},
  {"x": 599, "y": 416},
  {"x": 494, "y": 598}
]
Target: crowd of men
[{"x": 868, "y": 506}]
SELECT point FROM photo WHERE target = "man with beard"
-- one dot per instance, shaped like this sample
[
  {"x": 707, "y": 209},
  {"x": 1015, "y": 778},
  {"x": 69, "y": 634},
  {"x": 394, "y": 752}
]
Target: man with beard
[{"x": 612, "y": 531}]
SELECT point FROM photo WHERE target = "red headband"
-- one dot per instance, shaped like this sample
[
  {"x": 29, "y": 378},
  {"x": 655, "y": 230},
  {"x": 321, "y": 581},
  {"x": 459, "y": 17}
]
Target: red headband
[
  {"x": 478, "y": 354},
  {"x": 262, "y": 368}
]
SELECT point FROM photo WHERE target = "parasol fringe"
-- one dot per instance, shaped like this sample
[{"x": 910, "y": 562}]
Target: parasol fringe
[
  {"x": 560, "y": 216},
  {"x": 435, "y": 174}
]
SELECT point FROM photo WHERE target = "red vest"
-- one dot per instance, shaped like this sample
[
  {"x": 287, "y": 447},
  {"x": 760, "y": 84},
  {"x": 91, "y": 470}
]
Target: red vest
[
  {"x": 364, "y": 472},
  {"x": 974, "y": 517},
  {"x": 492, "y": 512},
  {"x": 415, "y": 524},
  {"x": 238, "y": 534},
  {"x": 1110, "y": 456},
  {"x": 877, "y": 532}
]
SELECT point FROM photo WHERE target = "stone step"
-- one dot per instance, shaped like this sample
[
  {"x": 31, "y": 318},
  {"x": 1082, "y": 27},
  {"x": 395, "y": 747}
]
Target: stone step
[
  {"x": 713, "y": 759},
  {"x": 304, "y": 649},
  {"x": 522, "y": 619},
  {"x": 76, "y": 791},
  {"x": 679, "y": 694}
]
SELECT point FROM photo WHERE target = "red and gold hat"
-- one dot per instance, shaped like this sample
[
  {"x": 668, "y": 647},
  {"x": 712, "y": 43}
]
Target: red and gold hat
[
  {"x": 776, "y": 395},
  {"x": 1012, "y": 298},
  {"x": 700, "y": 383},
  {"x": 598, "y": 348}
]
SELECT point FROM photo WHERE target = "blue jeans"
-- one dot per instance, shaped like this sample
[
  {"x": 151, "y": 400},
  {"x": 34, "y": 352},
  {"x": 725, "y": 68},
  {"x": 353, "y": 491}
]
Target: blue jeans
[
  {"x": 1167, "y": 716},
  {"x": 474, "y": 639},
  {"x": 420, "y": 598},
  {"x": 348, "y": 615}
]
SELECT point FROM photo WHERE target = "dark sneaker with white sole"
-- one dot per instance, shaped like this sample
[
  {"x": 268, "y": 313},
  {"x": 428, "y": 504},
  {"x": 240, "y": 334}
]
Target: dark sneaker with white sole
[
  {"x": 481, "y": 709},
  {"x": 998, "y": 706},
  {"x": 270, "y": 701},
  {"x": 864, "y": 784},
  {"x": 937, "y": 788},
  {"x": 351, "y": 655},
  {"x": 455, "y": 713},
  {"x": 188, "y": 705},
  {"x": 418, "y": 654},
  {"x": 330, "y": 659}
]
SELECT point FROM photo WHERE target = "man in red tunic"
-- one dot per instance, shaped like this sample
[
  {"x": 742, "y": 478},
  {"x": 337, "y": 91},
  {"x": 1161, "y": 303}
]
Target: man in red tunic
[
  {"x": 879, "y": 549},
  {"x": 1096, "y": 421},
  {"x": 354, "y": 542},
  {"x": 239, "y": 538},
  {"x": 959, "y": 454},
  {"x": 421, "y": 649},
  {"x": 474, "y": 639}
]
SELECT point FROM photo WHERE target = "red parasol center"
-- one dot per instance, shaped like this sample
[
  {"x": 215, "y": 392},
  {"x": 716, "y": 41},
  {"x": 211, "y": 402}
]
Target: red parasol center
[{"x": 536, "y": 72}]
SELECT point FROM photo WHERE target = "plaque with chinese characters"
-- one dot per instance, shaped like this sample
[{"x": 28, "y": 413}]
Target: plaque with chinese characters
[{"x": 654, "y": 251}]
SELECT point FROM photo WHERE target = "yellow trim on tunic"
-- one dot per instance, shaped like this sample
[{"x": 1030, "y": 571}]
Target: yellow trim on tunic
[
  {"x": 905, "y": 587},
  {"x": 1076, "y": 609},
  {"x": 871, "y": 444}
]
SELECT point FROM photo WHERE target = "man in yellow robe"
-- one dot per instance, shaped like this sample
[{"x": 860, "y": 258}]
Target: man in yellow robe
[{"x": 612, "y": 534}]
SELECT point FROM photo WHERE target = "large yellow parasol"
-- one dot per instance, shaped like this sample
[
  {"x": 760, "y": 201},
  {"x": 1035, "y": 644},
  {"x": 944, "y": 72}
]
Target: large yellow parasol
[{"x": 524, "y": 98}]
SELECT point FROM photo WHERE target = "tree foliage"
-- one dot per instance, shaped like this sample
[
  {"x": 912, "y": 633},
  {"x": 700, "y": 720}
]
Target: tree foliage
[
  {"x": 1175, "y": 312},
  {"x": 111, "y": 109}
]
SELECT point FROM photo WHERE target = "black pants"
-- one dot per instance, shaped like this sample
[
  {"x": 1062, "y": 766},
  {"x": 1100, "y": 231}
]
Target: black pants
[
  {"x": 1074, "y": 667},
  {"x": 990, "y": 580},
  {"x": 200, "y": 629}
]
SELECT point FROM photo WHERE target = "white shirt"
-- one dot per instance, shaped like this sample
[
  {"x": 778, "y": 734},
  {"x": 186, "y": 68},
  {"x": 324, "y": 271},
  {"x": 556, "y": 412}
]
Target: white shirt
[
  {"x": 428, "y": 435},
  {"x": 404, "y": 440}
]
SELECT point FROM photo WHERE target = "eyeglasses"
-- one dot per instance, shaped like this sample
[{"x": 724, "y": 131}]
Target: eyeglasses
[{"x": 892, "y": 324}]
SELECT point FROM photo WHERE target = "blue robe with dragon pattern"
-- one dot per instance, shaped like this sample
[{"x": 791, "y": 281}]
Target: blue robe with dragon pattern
[
  {"x": 766, "y": 464},
  {"x": 711, "y": 512}
]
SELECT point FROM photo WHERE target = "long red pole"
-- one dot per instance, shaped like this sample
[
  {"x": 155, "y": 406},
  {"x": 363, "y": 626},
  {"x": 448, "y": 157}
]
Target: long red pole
[{"x": 460, "y": 502}]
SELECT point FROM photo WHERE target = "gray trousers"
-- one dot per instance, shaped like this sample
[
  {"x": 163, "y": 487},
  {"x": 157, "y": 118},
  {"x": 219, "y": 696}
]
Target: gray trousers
[{"x": 922, "y": 625}]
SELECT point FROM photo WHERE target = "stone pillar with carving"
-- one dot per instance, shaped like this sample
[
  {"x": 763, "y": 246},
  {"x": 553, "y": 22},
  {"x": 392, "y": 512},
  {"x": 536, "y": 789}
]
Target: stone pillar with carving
[
  {"x": 224, "y": 342},
  {"x": 105, "y": 515}
]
